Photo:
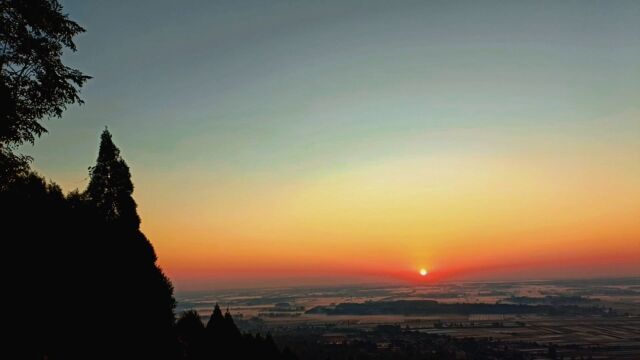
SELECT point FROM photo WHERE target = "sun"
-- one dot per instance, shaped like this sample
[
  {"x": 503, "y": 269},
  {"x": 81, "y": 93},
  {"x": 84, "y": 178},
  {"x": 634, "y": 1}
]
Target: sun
[{"x": 423, "y": 272}]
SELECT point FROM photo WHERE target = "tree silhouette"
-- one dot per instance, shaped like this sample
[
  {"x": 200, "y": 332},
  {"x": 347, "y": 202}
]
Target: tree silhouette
[
  {"x": 222, "y": 327},
  {"x": 222, "y": 340},
  {"x": 110, "y": 188},
  {"x": 230, "y": 326},
  {"x": 80, "y": 266},
  {"x": 91, "y": 283},
  {"x": 189, "y": 325},
  {"x": 149, "y": 292},
  {"x": 192, "y": 335},
  {"x": 34, "y": 83},
  {"x": 216, "y": 321}
]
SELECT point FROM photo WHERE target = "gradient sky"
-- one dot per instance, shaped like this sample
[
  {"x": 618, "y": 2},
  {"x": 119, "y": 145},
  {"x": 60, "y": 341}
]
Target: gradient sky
[{"x": 278, "y": 142}]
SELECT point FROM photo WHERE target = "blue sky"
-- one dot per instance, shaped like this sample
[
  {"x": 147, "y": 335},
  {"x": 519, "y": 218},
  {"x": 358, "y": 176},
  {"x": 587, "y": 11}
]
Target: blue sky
[
  {"x": 218, "y": 105},
  {"x": 257, "y": 81}
]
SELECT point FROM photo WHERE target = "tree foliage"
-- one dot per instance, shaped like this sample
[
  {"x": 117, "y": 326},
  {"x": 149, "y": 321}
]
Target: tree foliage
[
  {"x": 92, "y": 283},
  {"x": 222, "y": 340},
  {"x": 110, "y": 188},
  {"x": 34, "y": 83}
]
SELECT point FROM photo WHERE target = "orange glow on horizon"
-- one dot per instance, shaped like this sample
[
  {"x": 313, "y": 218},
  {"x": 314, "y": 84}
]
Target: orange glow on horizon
[{"x": 538, "y": 212}]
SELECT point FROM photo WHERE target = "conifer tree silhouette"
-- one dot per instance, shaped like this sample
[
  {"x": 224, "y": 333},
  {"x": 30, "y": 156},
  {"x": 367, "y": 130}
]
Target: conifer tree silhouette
[
  {"x": 129, "y": 260},
  {"x": 216, "y": 320},
  {"x": 191, "y": 335},
  {"x": 110, "y": 188},
  {"x": 230, "y": 326}
]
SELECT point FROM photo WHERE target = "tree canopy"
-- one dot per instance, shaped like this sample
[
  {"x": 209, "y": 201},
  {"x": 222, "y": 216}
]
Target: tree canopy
[
  {"x": 34, "y": 82},
  {"x": 110, "y": 188}
]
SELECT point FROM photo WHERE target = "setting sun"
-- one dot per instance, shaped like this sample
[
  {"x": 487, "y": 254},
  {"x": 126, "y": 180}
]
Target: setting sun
[{"x": 423, "y": 272}]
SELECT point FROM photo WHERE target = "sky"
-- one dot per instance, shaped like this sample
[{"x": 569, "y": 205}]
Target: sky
[{"x": 300, "y": 142}]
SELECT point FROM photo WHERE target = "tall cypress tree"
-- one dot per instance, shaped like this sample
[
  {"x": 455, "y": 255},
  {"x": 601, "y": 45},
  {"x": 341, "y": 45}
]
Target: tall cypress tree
[
  {"x": 110, "y": 188},
  {"x": 128, "y": 263}
]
